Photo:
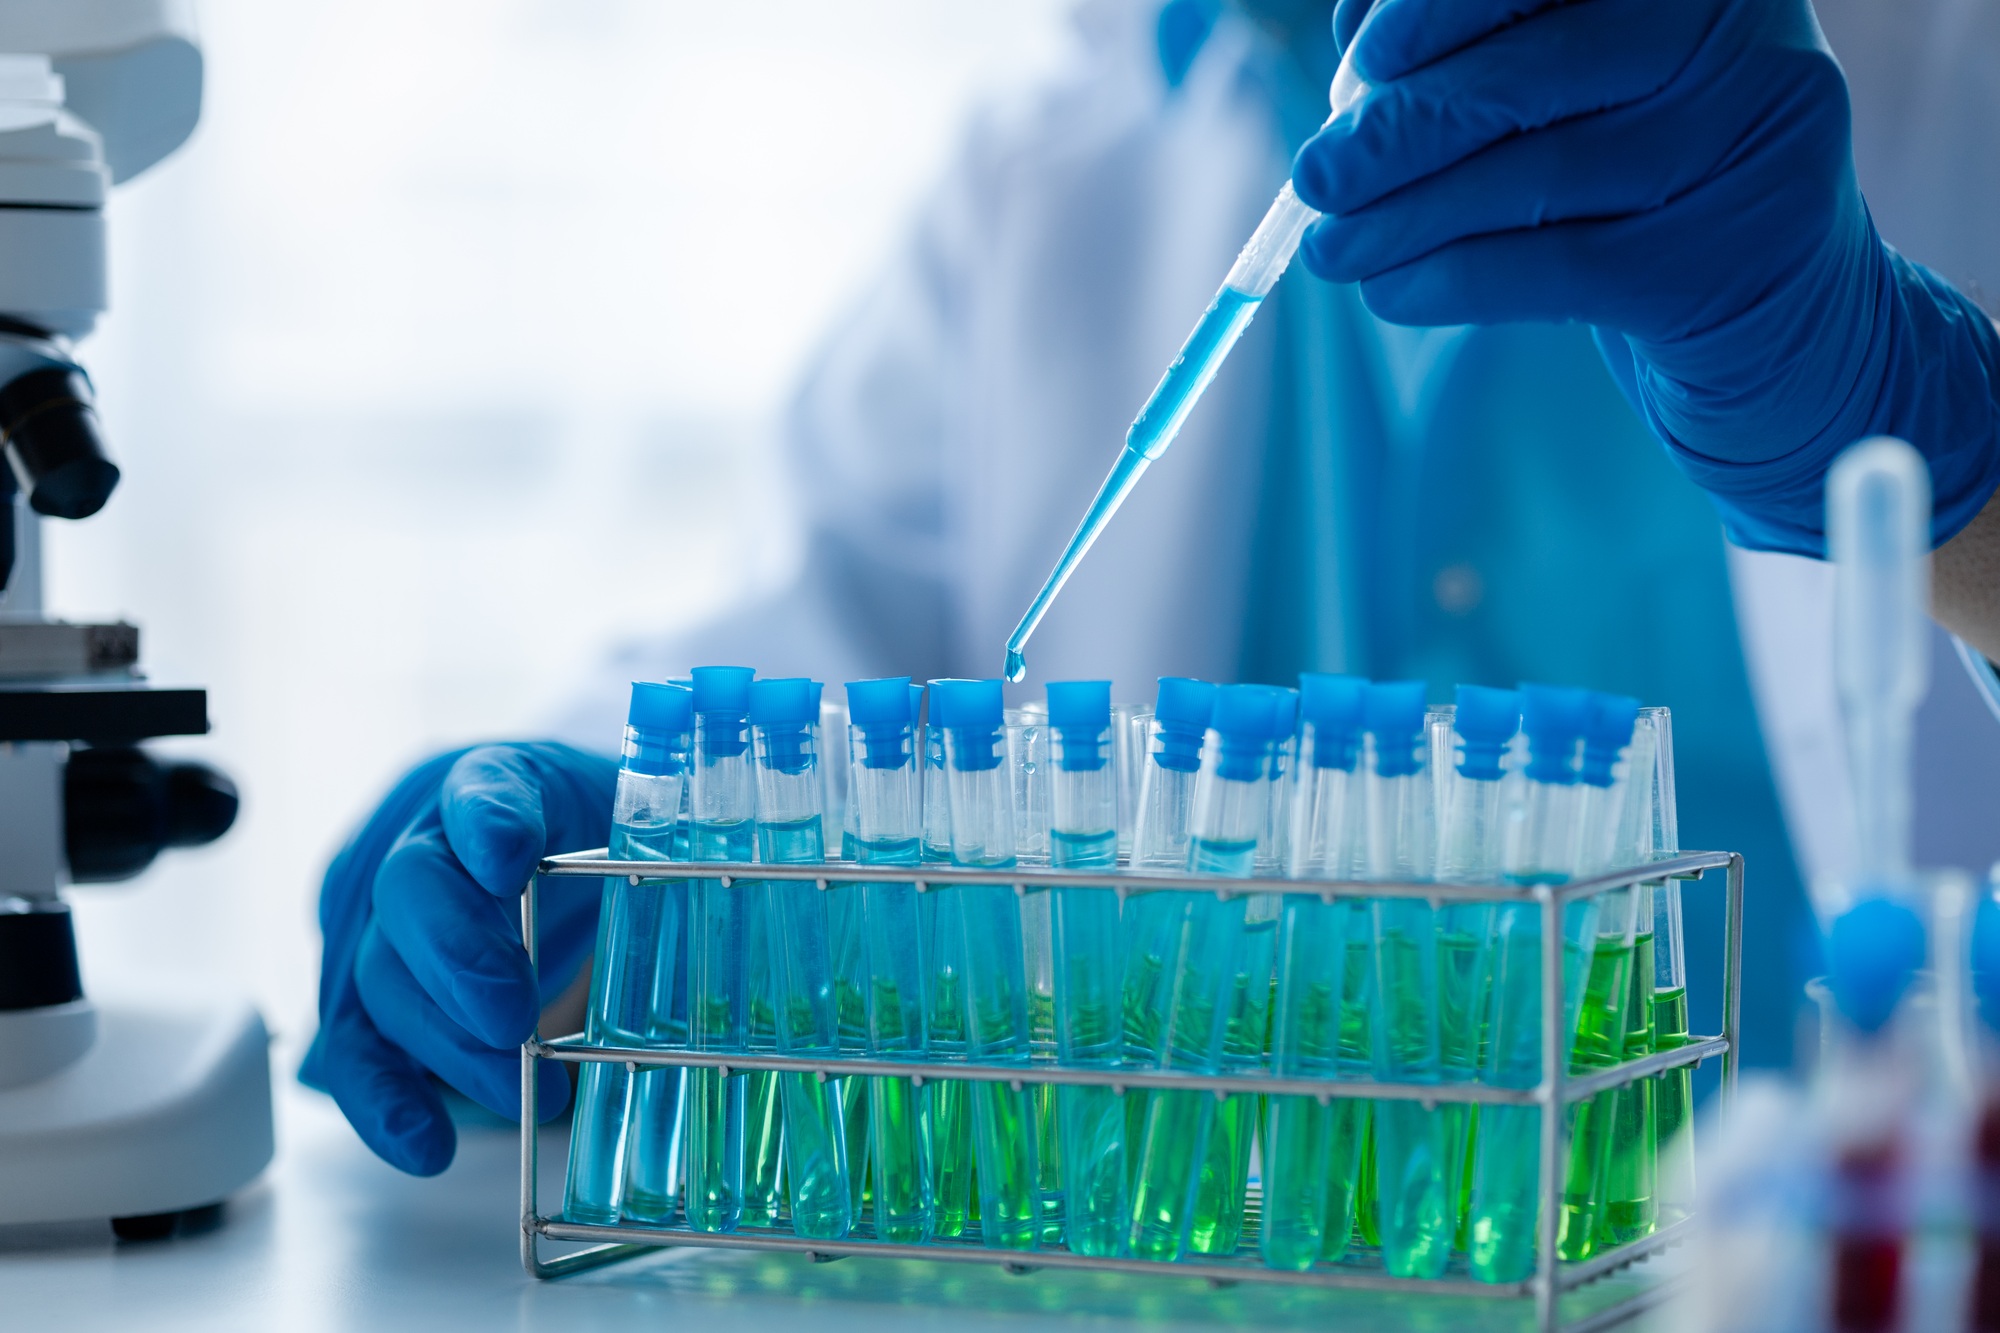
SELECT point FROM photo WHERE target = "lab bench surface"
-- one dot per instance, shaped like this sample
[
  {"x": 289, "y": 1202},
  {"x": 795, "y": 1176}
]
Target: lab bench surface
[{"x": 332, "y": 1239}]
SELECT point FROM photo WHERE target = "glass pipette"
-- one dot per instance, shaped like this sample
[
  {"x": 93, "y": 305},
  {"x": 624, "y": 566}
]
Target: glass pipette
[
  {"x": 1878, "y": 533},
  {"x": 1257, "y": 269}
]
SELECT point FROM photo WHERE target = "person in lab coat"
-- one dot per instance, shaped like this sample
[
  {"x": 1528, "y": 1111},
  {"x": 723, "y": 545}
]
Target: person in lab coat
[{"x": 1476, "y": 502}]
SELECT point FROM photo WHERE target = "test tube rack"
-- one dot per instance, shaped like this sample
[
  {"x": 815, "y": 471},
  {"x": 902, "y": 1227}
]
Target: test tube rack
[{"x": 1557, "y": 1089}]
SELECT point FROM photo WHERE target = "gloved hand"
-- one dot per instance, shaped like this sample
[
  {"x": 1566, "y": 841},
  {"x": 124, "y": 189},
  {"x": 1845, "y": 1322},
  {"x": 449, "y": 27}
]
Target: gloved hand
[
  {"x": 1679, "y": 176},
  {"x": 423, "y": 971}
]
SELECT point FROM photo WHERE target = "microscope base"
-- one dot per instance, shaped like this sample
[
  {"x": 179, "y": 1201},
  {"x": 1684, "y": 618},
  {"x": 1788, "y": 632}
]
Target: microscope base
[{"x": 169, "y": 1111}]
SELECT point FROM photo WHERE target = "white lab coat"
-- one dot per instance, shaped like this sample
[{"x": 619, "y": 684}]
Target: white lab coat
[{"x": 948, "y": 436}]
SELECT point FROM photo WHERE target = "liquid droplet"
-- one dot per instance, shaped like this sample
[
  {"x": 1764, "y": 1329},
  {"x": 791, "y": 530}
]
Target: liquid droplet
[{"x": 1017, "y": 665}]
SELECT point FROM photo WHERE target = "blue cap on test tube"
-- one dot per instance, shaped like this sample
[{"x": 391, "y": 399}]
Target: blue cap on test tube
[
  {"x": 1248, "y": 720},
  {"x": 1331, "y": 706},
  {"x": 975, "y": 710},
  {"x": 882, "y": 711},
  {"x": 1554, "y": 718},
  {"x": 1607, "y": 730},
  {"x": 720, "y": 693},
  {"x": 1182, "y": 712},
  {"x": 1485, "y": 719},
  {"x": 1080, "y": 715},
  {"x": 783, "y": 710},
  {"x": 1393, "y": 713},
  {"x": 660, "y": 717}
]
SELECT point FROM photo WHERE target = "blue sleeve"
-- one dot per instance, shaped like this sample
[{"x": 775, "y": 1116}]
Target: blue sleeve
[{"x": 1927, "y": 371}]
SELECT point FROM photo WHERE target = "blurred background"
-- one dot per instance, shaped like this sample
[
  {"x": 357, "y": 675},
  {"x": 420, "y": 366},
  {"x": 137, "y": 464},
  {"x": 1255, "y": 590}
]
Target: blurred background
[{"x": 426, "y": 356}]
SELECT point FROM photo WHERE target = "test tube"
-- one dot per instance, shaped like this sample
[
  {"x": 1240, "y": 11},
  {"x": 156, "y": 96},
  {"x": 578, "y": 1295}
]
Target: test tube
[
  {"x": 1128, "y": 763},
  {"x": 888, "y": 831},
  {"x": 1215, "y": 1224},
  {"x": 639, "y": 948},
  {"x": 1206, "y": 963},
  {"x": 1538, "y": 848},
  {"x": 1083, "y": 836},
  {"x": 832, "y": 760},
  {"x": 1631, "y": 1207},
  {"x": 990, "y": 960},
  {"x": 1602, "y": 1036},
  {"x": 722, "y": 924},
  {"x": 953, "y": 1159},
  {"x": 1414, "y": 1147},
  {"x": 1150, "y": 923},
  {"x": 1028, "y": 786},
  {"x": 1475, "y": 764},
  {"x": 1673, "y": 1126},
  {"x": 784, "y": 719},
  {"x": 1312, "y": 1150},
  {"x": 1027, "y": 741},
  {"x": 843, "y": 910}
]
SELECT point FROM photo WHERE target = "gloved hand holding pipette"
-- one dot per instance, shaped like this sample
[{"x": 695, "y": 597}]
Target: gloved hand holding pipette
[
  {"x": 1680, "y": 177},
  {"x": 423, "y": 968}
]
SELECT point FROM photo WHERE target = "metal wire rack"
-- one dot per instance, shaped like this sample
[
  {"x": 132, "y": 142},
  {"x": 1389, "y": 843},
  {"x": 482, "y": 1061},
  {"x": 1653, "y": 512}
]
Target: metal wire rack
[{"x": 1557, "y": 1088}]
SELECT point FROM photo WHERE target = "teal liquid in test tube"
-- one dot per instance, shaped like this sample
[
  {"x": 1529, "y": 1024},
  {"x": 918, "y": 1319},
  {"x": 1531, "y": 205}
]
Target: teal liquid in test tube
[
  {"x": 885, "y": 747},
  {"x": 721, "y": 924},
  {"x": 992, "y": 972},
  {"x": 615, "y": 1168},
  {"x": 1207, "y": 947},
  {"x": 1540, "y": 847},
  {"x": 784, "y": 718},
  {"x": 1415, "y": 1176},
  {"x": 953, "y": 1161},
  {"x": 1152, "y": 924},
  {"x": 1089, "y": 982},
  {"x": 1312, "y": 1151},
  {"x": 1472, "y": 850},
  {"x": 1215, "y": 1225},
  {"x": 1258, "y": 266}
]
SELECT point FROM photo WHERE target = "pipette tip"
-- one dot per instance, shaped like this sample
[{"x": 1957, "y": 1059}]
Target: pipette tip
[{"x": 1017, "y": 665}]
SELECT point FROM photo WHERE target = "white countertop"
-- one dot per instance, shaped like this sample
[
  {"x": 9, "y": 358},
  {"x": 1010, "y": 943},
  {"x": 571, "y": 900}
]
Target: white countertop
[{"x": 330, "y": 1238}]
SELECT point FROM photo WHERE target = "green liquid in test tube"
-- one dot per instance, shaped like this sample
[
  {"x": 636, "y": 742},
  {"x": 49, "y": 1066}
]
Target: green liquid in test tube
[
  {"x": 784, "y": 717},
  {"x": 721, "y": 923},
  {"x": 1673, "y": 1095},
  {"x": 1540, "y": 848},
  {"x": 991, "y": 969},
  {"x": 1089, "y": 1027},
  {"x": 954, "y": 1170},
  {"x": 886, "y": 750},
  {"x": 1607, "y": 1026},
  {"x": 1205, "y": 941}
]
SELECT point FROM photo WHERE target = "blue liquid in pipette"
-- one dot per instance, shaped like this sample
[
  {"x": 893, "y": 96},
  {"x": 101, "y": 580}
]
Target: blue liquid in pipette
[{"x": 1159, "y": 421}]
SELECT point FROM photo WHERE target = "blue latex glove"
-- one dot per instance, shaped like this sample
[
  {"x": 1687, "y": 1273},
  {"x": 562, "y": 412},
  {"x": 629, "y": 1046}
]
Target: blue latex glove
[
  {"x": 423, "y": 971},
  {"x": 1679, "y": 176}
]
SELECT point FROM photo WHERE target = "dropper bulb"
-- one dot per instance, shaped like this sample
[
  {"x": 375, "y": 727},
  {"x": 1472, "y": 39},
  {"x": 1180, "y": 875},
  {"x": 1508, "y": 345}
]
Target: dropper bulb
[{"x": 1017, "y": 665}]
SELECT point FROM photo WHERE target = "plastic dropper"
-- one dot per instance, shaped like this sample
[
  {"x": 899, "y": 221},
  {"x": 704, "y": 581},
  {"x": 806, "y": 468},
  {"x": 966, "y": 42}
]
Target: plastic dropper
[
  {"x": 1878, "y": 532},
  {"x": 1258, "y": 267}
]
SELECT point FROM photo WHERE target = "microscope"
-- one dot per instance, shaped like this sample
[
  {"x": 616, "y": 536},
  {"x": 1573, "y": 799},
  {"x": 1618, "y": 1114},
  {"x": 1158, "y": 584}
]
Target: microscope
[{"x": 148, "y": 1114}]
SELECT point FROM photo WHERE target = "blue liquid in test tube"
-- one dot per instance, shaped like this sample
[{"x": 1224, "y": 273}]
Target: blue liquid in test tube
[{"x": 623, "y": 1129}]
